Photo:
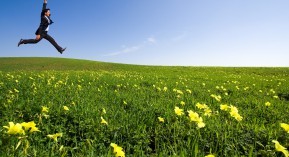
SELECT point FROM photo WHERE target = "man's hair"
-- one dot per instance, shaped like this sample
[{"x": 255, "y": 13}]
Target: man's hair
[{"x": 44, "y": 11}]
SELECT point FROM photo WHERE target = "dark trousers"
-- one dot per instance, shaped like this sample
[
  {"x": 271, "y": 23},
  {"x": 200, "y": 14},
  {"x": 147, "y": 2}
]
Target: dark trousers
[{"x": 45, "y": 36}]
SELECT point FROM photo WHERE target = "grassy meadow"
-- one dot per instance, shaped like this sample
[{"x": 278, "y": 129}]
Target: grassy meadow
[{"x": 67, "y": 107}]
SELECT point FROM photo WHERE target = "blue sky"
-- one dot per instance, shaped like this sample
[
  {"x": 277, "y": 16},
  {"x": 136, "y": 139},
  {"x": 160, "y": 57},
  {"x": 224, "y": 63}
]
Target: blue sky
[{"x": 153, "y": 32}]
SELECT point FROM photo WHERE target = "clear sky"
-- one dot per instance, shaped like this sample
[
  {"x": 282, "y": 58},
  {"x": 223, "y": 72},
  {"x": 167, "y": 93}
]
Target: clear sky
[{"x": 153, "y": 32}]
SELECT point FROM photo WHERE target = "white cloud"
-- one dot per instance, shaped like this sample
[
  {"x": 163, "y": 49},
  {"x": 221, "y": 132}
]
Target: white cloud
[
  {"x": 150, "y": 40},
  {"x": 180, "y": 37},
  {"x": 125, "y": 50}
]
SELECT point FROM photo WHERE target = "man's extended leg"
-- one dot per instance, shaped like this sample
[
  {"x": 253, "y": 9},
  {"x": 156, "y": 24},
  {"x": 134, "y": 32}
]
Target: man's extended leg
[
  {"x": 53, "y": 42},
  {"x": 28, "y": 41}
]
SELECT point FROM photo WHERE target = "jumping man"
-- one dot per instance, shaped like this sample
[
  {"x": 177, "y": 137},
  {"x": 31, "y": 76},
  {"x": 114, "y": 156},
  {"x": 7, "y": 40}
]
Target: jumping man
[{"x": 43, "y": 30}]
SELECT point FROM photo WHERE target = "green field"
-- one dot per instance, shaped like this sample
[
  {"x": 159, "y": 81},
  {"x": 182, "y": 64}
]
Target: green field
[{"x": 232, "y": 111}]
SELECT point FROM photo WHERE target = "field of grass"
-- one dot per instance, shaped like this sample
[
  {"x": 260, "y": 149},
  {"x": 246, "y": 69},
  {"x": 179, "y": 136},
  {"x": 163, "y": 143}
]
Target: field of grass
[{"x": 67, "y": 107}]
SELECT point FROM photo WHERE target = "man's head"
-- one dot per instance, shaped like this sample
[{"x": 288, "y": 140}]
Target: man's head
[{"x": 45, "y": 12}]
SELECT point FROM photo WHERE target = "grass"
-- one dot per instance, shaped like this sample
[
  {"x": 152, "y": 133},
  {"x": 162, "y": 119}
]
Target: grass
[{"x": 133, "y": 98}]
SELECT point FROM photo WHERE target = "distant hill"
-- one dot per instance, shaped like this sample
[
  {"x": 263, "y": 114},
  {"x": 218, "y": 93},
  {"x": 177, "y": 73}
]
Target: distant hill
[
  {"x": 43, "y": 63},
  {"x": 66, "y": 64}
]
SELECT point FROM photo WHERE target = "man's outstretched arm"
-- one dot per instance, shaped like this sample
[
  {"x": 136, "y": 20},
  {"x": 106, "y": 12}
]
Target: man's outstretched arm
[{"x": 44, "y": 4}]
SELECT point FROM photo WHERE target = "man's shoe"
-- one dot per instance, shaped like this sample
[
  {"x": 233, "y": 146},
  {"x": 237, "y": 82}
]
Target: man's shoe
[
  {"x": 20, "y": 42},
  {"x": 62, "y": 50}
]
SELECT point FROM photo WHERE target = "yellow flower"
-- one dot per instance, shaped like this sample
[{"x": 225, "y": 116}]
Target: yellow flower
[
  {"x": 165, "y": 89},
  {"x": 14, "y": 129},
  {"x": 194, "y": 117},
  {"x": 200, "y": 123},
  {"x": 103, "y": 111},
  {"x": 179, "y": 92},
  {"x": 182, "y": 103},
  {"x": 33, "y": 129},
  {"x": 280, "y": 148},
  {"x": 45, "y": 109},
  {"x": 103, "y": 121},
  {"x": 233, "y": 109},
  {"x": 267, "y": 104},
  {"x": 117, "y": 150},
  {"x": 217, "y": 97},
  {"x": 208, "y": 112},
  {"x": 236, "y": 115},
  {"x": 30, "y": 125},
  {"x": 201, "y": 106},
  {"x": 161, "y": 119},
  {"x": 224, "y": 107},
  {"x": 210, "y": 155},
  {"x": 285, "y": 127},
  {"x": 159, "y": 89},
  {"x": 54, "y": 137},
  {"x": 65, "y": 108},
  {"x": 179, "y": 111}
]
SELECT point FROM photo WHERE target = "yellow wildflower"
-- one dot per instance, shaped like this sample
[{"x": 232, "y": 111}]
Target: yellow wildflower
[
  {"x": 30, "y": 125},
  {"x": 236, "y": 115},
  {"x": 285, "y": 127},
  {"x": 103, "y": 121},
  {"x": 210, "y": 155},
  {"x": 54, "y": 136},
  {"x": 267, "y": 104},
  {"x": 200, "y": 123},
  {"x": 65, "y": 108},
  {"x": 208, "y": 112},
  {"x": 117, "y": 150},
  {"x": 33, "y": 129},
  {"x": 217, "y": 97},
  {"x": 14, "y": 128},
  {"x": 179, "y": 111},
  {"x": 16, "y": 91},
  {"x": 194, "y": 117},
  {"x": 182, "y": 103},
  {"x": 201, "y": 106},
  {"x": 224, "y": 107},
  {"x": 44, "y": 109},
  {"x": 280, "y": 148},
  {"x": 159, "y": 89},
  {"x": 103, "y": 111},
  {"x": 165, "y": 89},
  {"x": 161, "y": 119},
  {"x": 180, "y": 92}
]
